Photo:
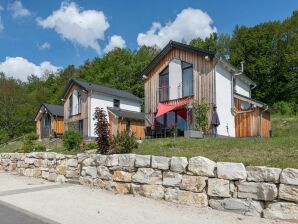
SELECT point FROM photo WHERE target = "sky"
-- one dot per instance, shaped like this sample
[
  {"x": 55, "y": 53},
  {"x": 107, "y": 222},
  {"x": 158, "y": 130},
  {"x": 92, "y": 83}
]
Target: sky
[{"x": 40, "y": 36}]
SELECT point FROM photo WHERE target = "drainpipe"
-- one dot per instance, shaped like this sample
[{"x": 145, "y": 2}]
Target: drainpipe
[
  {"x": 261, "y": 118},
  {"x": 232, "y": 93}
]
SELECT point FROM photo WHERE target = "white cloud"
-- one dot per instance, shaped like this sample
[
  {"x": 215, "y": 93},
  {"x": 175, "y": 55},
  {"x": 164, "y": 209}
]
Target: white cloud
[
  {"x": 84, "y": 27},
  {"x": 45, "y": 45},
  {"x": 17, "y": 9},
  {"x": 115, "y": 42},
  {"x": 189, "y": 24},
  {"x": 21, "y": 68}
]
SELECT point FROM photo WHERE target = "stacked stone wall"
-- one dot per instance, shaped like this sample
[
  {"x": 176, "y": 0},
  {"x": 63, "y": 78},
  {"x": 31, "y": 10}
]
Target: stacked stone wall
[{"x": 253, "y": 190}]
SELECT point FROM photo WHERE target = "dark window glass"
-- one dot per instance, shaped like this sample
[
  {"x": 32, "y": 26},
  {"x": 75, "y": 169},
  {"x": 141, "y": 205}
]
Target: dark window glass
[
  {"x": 127, "y": 125},
  {"x": 116, "y": 103},
  {"x": 79, "y": 103},
  {"x": 187, "y": 79},
  {"x": 164, "y": 85},
  {"x": 70, "y": 105},
  {"x": 81, "y": 127}
]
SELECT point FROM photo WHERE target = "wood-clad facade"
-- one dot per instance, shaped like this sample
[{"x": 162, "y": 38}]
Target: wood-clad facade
[
  {"x": 77, "y": 121},
  {"x": 203, "y": 79},
  {"x": 49, "y": 122},
  {"x": 121, "y": 124},
  {"x": 213, "y": 80},
  {"x": 253, "y": 122}
]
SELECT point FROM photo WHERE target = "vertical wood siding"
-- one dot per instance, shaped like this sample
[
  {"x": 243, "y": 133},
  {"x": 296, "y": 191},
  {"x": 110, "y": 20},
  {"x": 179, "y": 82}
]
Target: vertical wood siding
[
  {"x": 202, "y": 80},
  {"x": 248, "y": 124}
]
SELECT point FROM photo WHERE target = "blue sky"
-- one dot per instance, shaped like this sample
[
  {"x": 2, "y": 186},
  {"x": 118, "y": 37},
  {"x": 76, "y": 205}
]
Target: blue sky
[{"x": 32, "y": 35}]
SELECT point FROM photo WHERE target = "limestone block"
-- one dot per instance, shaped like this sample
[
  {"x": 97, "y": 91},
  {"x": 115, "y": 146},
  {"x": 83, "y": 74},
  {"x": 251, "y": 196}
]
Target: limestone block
[
  {"x": 201, "y": 166},
  {"x": 263, "y": 174},
  {"x": 147, "y": 176},
  {"x": 218, "y": 188},
  {"x": 160, "y": 162},
  {"x": 193, "y": 183},
  {"x": 282, "y": 210},
  {"x": 122, "y": 176},
  {"x": 289, "y": 176},
  {"x": 178, "y": 164},
  {"x": 171, "y": 179},
  {"x": 231, "y": 171},
  {"x": 288, "y": 192},
  {"x": 104, "y": 173},
  {"x": 143, "y": 161},
  {"x": 257, "y": 191}
]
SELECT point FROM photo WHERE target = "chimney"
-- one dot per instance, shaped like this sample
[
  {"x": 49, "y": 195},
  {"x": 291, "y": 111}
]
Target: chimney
[{"x": 242, "y": 67}]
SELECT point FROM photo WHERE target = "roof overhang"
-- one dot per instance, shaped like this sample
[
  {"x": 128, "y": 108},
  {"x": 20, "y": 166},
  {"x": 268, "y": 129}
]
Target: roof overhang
[
  {"x": 236, "y": 72},
  {"x": 250, "y": 100}
]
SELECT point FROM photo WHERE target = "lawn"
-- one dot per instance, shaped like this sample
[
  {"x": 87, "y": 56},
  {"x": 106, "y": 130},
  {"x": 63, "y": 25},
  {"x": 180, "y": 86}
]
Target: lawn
[{"x": 279, "y": 151}]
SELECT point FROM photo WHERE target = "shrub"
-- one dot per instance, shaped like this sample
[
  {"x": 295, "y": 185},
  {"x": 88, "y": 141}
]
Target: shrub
[
  {"x": 91, "y": 145},
  {"x": 123, "y": 142},
  {"x": 31, "y": 136},
  {"x": 39, "y": 148},
  {"x": 101, "y": 130},
  {"x": 72, "y": 140},
  {"x": 4, "y": 138},
  {"x": 200, "y": 116},
  {"x": 285, "y": 108}
]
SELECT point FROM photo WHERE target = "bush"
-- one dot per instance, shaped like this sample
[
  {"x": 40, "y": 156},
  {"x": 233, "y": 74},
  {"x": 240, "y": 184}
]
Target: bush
[
  {"x": 91, "y": 145},
  {"x": 39, "y": 148},
  {"x": 4, "y": 138},
  {"x": 102, "y": 130},
  {"x": 31, "y": 136},
  {"x": 200, "y": 116},
  {"x": 123, "y": 142},
  {"x": 72, "y": 140},
  {"x": 285, "y": 108}
]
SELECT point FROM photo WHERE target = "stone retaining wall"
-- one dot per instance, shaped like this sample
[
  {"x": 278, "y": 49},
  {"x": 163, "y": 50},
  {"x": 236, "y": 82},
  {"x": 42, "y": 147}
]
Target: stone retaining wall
[{"x": 254, "y": 190}]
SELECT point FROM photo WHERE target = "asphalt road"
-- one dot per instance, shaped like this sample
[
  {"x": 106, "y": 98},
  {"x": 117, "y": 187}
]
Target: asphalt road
[{"x": 13, "y": 215}]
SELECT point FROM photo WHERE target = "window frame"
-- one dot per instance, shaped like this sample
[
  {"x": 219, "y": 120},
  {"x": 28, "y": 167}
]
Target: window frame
[
  {"x": 183, "y": 68},
  {"x": 165, "y": 73},
  {"x": 115, "y": 102}
]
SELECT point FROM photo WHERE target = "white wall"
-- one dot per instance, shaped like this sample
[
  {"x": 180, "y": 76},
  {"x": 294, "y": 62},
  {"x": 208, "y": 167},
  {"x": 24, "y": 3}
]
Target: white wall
[
  {"x": 104, "y": 101},
  {"x": 223, "y": 102},
  {"x": 175, "y": 79},
  {"x": 242, "y": 88}
]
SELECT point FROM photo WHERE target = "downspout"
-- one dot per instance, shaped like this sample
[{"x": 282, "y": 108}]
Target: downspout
[
  {"x": 261, "y": 119},
  {"x": 89, "y": 114}
]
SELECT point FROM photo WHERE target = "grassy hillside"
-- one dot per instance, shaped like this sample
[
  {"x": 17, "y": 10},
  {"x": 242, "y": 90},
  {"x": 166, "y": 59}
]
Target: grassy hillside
[{"x": 279, "y": 151}]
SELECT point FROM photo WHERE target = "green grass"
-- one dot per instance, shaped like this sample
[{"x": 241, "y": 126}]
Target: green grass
[{"x": 279, "y": 151}]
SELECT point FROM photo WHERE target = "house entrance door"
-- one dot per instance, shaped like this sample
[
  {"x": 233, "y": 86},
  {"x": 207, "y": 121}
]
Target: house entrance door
[{"x": 45, "y": 125}]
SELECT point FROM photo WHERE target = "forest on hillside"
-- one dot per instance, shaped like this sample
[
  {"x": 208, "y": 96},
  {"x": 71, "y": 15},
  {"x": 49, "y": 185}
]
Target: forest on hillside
[{"x": 269, "y": 51}]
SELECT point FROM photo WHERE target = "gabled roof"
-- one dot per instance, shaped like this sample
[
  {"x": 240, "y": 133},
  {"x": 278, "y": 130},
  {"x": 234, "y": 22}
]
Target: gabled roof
[
  {"x": 88, "y": 86},
  {"x": 54, "y": 110},
  {"x": 173, "y": 44},
  {"x": 231, "y": 68},
  {"x": 127, "y": 113}
]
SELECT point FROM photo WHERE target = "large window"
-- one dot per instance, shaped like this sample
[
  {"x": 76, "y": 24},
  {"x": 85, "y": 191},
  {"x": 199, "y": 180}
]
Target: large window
[
  {"x": 187, "y": 79},
  {"x": 75, "y": 103},
  {"x": 164, "y": 85}
]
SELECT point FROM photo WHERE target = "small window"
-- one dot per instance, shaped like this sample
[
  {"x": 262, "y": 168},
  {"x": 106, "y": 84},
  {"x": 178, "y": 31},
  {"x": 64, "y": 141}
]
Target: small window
[
  {"x": 116, "y": 103},
  {"x": 187, "y": 79},
  {"x": 81, "y": 127},
  {"x": 127, "y": 125},
  {"x": 79, "y": 103},
  {"x": 70, "y": 105}
]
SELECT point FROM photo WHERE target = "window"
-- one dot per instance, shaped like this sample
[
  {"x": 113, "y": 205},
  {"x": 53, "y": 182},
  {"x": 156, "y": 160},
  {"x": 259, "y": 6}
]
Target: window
[
  {"x": 70, "y": 105},
  {"x": 116, "y": 103},
  {"x": 79, "y": 103},
  {"x": 164, "y": 85},
  {"x": 187, "y": 79},
  {"x": 127, "y": 125},
  {"x": 75, "y": 103},
  {"x": 81, "y": 127}
]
